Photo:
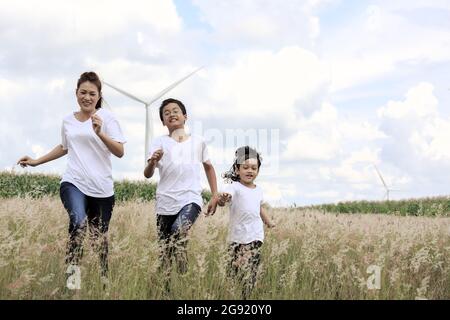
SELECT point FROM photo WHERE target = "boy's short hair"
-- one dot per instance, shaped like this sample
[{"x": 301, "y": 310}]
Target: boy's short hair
[{"x": 171, "y": 100}]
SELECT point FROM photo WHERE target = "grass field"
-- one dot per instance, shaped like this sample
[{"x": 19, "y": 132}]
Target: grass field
[{"x": 309, "y": 255}]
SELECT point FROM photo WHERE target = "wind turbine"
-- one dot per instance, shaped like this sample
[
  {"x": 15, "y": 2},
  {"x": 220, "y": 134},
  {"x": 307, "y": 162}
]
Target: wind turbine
[
  {"x": 384, "y": 183},
  {"x": 148, "y": 114}
]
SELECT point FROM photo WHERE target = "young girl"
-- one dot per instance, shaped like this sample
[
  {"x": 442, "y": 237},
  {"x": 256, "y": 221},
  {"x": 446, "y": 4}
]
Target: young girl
[
  {"x": 88, "y": 136},
  {"x": 247, "y": 215},
  {"x": 179, "y": 158}
]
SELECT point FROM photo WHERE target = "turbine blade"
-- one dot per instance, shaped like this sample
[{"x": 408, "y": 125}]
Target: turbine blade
[
  {"x": 129, "y": 95},
  {"x": 147, "y": 138},
  {"x": 173, "y": 85},
  {"x": 381, "y": 177}
]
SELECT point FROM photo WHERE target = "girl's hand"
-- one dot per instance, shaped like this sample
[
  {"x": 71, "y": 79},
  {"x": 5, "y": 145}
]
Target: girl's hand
[
  {"x": 156, "y": 156},
  {"x": 27, "y": 161},
  {"x": 96, "y": 123},
  {"x": 271, "y": 224},
  {"x": 224, "y": 198}
]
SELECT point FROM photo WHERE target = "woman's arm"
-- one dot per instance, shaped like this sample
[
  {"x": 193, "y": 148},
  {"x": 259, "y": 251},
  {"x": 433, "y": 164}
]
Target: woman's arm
[
  {"x": 56, "y": 153},
  {"x": 116, "y": 148},
  {"x": 212, "y": 181}
]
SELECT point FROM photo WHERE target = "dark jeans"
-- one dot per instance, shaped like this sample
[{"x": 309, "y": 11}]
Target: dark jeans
[
  {"x": 244, "y": 264},
  {"x": 172, "y": 234},
  {"x": 84, "y": 210}
]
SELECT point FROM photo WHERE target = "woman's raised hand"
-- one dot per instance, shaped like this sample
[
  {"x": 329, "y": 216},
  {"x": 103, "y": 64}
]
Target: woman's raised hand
[
  {"x": 27, "y": 161},
  {"x": 96, "y": 123}
]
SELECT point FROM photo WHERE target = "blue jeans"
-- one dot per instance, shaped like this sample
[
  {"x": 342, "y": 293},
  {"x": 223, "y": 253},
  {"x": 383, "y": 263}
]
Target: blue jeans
[
  {"x": 172, "y": 233},
  {"x": 84, "y": 210}
]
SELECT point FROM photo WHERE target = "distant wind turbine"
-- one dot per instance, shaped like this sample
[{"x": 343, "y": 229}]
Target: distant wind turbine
[
  {"x": 148, "y": 115},
  {"x": 388, "y": 190}
]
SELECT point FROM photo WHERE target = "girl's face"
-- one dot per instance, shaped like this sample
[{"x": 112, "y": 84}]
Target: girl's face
[
  {"x": 173, "y": 116},
  {"x": 87, "y": 96},
  {"x": 248, "y": 171}
]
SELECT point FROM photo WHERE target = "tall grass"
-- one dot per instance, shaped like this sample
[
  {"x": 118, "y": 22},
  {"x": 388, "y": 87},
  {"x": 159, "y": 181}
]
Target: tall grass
[{"x": 309, "y": 255}]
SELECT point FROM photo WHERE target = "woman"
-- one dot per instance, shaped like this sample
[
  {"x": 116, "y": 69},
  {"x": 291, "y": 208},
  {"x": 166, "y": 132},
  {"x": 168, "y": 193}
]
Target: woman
[{"x": 89, "y": 137}]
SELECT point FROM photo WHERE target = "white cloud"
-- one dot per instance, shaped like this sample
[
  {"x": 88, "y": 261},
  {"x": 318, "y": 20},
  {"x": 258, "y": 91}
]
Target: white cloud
[
  {"x": 265, "y": 83},
  {"x": 378, "y": 41},
  {"x": 327, "y": 195},
  {"x": 56, "y": 85},
  {"x": 276, "y": 193},
  {"x": 9, "y": 89},
  {"x": 81, "y": 20},
  {"x": 420, "y": 102},
  {"x": 325, "y": 136},
  {"x": 261, "y": 22},
  {"x": 38, "y": 150}
]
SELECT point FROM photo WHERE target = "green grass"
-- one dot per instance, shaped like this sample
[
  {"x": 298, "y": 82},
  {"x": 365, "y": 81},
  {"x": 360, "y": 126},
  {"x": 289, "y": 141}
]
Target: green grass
[
  {"x": 39, "y": 185},
  {"x": 429, "y": 207}
]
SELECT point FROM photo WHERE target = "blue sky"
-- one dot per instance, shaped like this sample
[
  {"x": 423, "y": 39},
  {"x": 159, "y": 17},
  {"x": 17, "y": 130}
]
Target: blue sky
[{"x": 324, "y": 88}]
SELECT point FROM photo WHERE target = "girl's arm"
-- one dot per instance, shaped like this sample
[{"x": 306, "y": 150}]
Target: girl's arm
[
  {"x": 56, "y": 153},
  {"x": 265, "y": 218},
  {"x": 212, "y": 181}
]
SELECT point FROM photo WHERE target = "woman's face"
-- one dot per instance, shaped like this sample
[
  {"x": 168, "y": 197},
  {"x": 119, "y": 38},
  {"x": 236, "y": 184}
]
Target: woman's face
[{"x": 87, "y": 96}]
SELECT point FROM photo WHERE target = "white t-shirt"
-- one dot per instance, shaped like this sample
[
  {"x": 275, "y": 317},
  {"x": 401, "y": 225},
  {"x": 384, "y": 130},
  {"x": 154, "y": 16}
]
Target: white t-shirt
[
  {"x": 89, "y": 160},
  {"x": 179, "y": 171},
  {"x": 245, "y": 224}
]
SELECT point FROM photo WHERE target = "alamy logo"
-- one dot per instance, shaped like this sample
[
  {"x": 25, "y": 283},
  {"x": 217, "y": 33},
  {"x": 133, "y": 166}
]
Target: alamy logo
[
  {"x": 74, "y": 277},
  {"x": 374, "y": 281}
]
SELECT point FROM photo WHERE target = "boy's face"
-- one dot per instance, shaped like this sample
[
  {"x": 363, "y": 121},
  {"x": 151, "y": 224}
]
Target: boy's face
[
  {"x": 248, "y": 171},
  {"x": 173, "y": 117}
]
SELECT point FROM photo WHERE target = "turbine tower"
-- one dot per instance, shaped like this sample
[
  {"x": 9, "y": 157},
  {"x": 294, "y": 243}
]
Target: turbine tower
[
  {"x": 147, "y": 104},
  {"x": 384, "y": 183}
]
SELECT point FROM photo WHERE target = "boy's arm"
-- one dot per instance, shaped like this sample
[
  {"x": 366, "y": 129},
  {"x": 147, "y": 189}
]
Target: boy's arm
[
  {"x": 265, "y": 218},
  {"x": 212, "y": 181},
  {"x": 150, "y": 169},
  {"x": 152, "y": 162}
]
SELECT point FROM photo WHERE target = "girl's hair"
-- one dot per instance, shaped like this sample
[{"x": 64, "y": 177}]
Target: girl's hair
[
  {"x": 241, "y": 154},
  {"x": 171, "y": 100},
  {"x": 92, "y": 77}
]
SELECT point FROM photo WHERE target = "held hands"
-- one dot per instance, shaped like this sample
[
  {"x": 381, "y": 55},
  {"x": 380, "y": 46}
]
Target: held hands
[
  {"x": 27, "y": 161},
  {"x": 224, "y": 198},
  {"x": 96, "y": 123},
  {"x": 217, "y": 199}
]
